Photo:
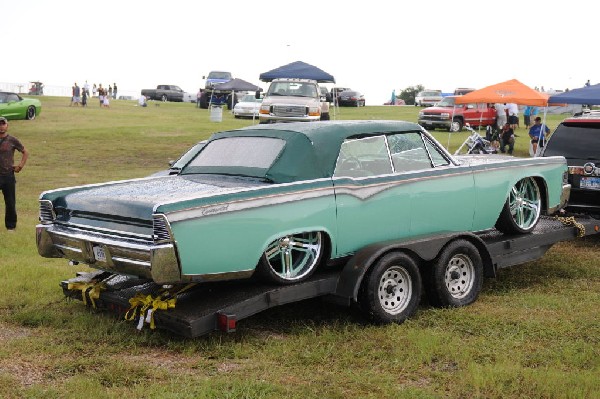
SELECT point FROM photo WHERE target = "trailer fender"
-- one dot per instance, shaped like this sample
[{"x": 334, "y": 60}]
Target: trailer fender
[{"x": 424, "y": 249}]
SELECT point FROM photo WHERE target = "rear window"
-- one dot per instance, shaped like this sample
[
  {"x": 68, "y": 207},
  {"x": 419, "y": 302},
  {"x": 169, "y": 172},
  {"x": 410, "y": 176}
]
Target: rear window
[{"x": 575, "y": 140}]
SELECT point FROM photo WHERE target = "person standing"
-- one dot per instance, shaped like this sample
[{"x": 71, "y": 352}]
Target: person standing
[
  {"x": 8, "y": 145},
  {"x": 538, "y": 133},
  {"x": 114, "y": 91},
  {"x": 527, "y": 112},
  {"x": 513, "y": 115},
  {"x": 500, "y": 115}
]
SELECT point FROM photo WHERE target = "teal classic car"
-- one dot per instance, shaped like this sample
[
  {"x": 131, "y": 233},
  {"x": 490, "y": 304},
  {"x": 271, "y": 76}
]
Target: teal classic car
[
  {"x": 13, "y": 106},
  {"x": 280, "y": 200}
]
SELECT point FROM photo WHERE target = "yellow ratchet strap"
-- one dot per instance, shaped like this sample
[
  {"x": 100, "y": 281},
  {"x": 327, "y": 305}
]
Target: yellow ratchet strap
[
  {"x": 88, "y": 289},
  {"x": 144, "y": 305}
]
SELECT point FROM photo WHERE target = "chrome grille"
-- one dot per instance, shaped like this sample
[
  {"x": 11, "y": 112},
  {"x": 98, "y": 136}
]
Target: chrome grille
[
  {"x": 290, "y": 110},
  {"x": 47, "y": 214},
  {"x": 161, "y": 231}
]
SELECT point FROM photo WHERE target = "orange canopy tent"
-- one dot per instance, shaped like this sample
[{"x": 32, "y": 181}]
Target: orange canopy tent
[{"x": 511, "y": 91}]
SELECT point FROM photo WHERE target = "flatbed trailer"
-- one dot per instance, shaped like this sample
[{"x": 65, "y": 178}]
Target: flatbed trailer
[{"x": 198, "y": 309}]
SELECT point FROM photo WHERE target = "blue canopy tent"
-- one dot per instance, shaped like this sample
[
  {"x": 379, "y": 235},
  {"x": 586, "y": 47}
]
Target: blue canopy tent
[
  {"x": 298, "y": 70},
  {"x": 584, "y": 95}
]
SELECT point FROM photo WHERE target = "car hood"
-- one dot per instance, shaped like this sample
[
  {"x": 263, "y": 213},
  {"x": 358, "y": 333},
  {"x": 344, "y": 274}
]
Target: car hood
[
  {"x": 289, "y": 100},
  {"x": 138, "y": 199},
  {"x": 438, "y": 109}
]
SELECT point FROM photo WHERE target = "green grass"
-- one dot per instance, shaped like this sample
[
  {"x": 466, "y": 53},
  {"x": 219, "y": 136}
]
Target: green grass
[{"x": 533, "y": 333}]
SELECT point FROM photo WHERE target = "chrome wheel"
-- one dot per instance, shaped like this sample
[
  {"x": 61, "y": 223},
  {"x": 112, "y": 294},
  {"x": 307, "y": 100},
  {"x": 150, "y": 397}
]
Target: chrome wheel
[
  {"x": 164, "y": 98},
  {"x": 294, "y": 257},
  {"x": 395, "y": 290},
  {"x": 459, "y": 276},
  {"x": 524, "y": 202}
]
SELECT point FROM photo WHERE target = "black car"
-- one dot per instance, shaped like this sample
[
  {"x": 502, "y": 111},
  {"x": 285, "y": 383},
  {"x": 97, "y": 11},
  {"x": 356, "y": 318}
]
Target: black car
[
  {"x": 578, "y": 140},
  {"x": 351, "y": 98}
]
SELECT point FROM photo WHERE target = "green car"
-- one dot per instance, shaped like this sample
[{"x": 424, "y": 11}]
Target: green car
[
  {"x": 13, "y": 106},
  {"x": 281, "y": 200}
]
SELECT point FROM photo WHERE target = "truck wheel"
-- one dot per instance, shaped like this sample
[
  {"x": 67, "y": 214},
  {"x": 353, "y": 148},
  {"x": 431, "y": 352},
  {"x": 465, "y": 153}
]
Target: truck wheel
[
  {"x": 391, "y": 291},
  {"x": 164, "y": 98},
  {"x": 455, "y": 276},
  {"x": 521, "y": 211},
  {"x": 456, "y": 125},
  {"x": 292, "y": 259}
]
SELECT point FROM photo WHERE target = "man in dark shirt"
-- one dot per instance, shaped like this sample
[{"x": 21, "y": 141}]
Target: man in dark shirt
[
  {"x": 8, "y": 145},
  {"x": 507, "y": 138}
]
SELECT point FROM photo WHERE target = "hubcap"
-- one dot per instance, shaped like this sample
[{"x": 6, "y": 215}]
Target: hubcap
[
  {"x": 395, "y": 290},
  {"x": 459, "y": 277}
]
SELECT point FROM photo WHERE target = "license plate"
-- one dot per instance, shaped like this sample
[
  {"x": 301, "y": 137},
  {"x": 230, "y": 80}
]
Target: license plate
[
  {"x": 99, "y": 254},
  {"x": 590, "y": 182}
]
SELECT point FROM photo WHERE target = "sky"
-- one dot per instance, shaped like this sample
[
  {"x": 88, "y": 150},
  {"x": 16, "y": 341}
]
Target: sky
[{"x": 375, "y": 46}]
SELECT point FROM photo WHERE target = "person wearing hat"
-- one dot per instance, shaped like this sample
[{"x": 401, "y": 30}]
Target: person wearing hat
[
  {"x": 538, "y": 133},
  {"x": 8, "y": 145}
]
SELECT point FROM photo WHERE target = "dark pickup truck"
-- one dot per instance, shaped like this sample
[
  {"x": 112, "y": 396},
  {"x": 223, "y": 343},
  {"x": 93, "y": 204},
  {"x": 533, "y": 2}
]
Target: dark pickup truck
[{"x": 165, "y": 93}]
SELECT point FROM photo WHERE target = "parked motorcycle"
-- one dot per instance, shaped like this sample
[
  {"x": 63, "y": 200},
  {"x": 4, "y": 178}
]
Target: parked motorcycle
[{"x": 476, "y": 144}]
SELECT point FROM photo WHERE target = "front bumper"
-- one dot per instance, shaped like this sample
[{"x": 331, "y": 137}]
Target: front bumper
[
  {"x": 122, "y": 255},
  {"x": 436, "y": 123}
]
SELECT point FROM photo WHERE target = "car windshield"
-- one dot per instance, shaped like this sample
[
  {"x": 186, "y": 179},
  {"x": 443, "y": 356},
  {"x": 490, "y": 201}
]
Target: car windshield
[
  {"x": 446, "y": 102},
  {"x": 219, "y": 75},
  {"x": 249, "y": 98},
  {"x": 297, "y": 89},
  {"x": 243, "y": 156},
  {"x": 580, "y": 141}
]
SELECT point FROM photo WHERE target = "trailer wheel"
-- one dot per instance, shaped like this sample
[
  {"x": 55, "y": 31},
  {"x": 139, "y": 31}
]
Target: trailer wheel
[
  {"x": 291, "y": 259},
  {"x": 391, "y": 290},
  {"x": 521, "y": 211},
  {"x": 456, "y": 275}
]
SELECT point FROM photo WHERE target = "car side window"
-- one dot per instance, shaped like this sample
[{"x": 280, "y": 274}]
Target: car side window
[
  {"x": 363, "y": 157},
  {"x": 434, "y": 153},
  {"x": 408, "y": 152}
]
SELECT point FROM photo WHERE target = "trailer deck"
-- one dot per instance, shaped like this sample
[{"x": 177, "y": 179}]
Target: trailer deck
[{"x": 199, "y": 309}]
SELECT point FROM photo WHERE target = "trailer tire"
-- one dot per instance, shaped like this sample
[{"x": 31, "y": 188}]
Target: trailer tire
[
  {"x": 455, "y": 277},
  {"x": 391, "y": 290}
]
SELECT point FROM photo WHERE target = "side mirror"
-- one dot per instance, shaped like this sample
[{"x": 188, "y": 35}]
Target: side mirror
[{"x": 257, "y": 95}]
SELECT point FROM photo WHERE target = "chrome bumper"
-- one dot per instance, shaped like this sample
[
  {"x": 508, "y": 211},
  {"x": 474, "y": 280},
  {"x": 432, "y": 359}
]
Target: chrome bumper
[
  {"x": 564, "y": 199},
  {"x": 146, "y": 259}
]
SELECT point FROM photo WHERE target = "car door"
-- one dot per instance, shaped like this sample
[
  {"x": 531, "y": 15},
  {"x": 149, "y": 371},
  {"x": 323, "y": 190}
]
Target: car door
[{"x": 397, "y": 186}]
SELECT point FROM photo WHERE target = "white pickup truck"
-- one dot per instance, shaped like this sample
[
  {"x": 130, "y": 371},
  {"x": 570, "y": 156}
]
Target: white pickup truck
[{"x": 294, "y": 100}]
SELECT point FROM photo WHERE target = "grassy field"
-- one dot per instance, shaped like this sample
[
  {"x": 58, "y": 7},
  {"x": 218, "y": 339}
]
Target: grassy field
[{"x": 533, "y": 333}]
